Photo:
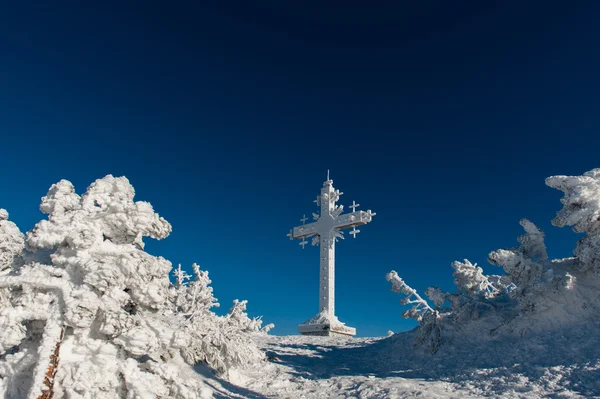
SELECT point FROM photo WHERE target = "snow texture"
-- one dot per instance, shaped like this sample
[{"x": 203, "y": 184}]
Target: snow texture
[{"x": 85, "y": 312}]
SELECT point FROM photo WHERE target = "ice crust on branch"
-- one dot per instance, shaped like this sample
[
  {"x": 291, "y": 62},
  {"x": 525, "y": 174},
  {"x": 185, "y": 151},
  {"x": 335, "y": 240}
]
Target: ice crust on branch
[{"x": 128, "y": 331}]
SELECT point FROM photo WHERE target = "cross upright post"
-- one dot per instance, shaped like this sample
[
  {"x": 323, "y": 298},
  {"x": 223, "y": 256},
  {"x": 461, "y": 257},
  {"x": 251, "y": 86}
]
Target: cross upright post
[{"x": 326, "y": 230}]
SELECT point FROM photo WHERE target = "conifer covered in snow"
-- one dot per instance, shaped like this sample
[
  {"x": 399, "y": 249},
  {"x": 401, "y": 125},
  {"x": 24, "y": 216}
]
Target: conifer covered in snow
[
  {"x": 11, "y": 242},
  {"x": 581, "y": 209},
  {"x": 429, "y": 334},
  {"x": 419, "y": 306},
  {"x": 534, "y": 293},
  {"x": 86, "y": 312}
]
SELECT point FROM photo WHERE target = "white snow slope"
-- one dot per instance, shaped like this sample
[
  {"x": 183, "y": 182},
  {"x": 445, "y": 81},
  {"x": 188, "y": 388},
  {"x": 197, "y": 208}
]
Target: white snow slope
[{"x": 556, "y": 365}]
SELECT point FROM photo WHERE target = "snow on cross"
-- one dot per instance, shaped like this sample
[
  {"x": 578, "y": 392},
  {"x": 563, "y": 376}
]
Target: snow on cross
[{"x": 326, "y": 231}]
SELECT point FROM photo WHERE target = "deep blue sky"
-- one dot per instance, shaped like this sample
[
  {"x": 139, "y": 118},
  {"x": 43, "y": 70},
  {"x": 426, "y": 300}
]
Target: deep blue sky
[{"x": 442, "y": 117}]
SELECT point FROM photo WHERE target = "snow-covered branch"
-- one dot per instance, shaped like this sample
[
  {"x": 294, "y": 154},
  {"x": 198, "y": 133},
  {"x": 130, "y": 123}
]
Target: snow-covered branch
[
  {"x": 420, "y": 306},
  {"x": 470, "y": 279}
]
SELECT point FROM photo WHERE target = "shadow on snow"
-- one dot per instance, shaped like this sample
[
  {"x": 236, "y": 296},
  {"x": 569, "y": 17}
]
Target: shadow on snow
[{"x": 521, "y": 364}]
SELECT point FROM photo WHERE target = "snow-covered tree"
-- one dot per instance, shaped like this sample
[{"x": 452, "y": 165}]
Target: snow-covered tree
[
  {"x": 581, "y": 209},
  {"x": 581, "y": 202},
  {"x": 11, "y": 242},
  {"x": 419, "y": 306},
  {"x": 524, "y": 264},
  {"x": 238, "y": 316},
  {"x": 470, "y": 279},
  {"x": 429, "y": 334},
  {"x": 534, "y": 293},
  {"x": 91, "y": 314},
  {"x": 532, "y": 241}
]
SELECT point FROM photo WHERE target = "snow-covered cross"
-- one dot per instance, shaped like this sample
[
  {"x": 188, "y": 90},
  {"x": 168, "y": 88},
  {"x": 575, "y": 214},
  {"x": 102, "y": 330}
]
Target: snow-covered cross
[{"x": 325, "y": 232}]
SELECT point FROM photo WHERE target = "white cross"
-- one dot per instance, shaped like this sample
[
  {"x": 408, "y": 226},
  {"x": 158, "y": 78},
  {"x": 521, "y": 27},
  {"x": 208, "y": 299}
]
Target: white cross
[
  {"x": 304, "y": 219},
  {"x": 325, "y": 231},
  {"x": 354, "y": 206}
]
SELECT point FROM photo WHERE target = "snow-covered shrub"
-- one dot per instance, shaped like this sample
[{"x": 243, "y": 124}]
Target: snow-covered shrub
[
  {"x": 429, "y": 334},
  {"x": 239, "y": 318},
  {"x": 419, "y": 307},
  {"x": 221, "y": 342},
  {"x": 534, "y": 293},
  {"x": 523, "y": 264},
  {"x": 88, "y": 313},
  {"x": 581, "y": 209},
  {"x": 470, "y": 279},
  {"x": 11, "y": 242}
]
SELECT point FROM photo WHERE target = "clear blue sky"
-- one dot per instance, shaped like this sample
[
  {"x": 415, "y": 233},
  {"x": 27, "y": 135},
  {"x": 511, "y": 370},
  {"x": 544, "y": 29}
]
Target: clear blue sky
[{"x": 442, "y": 117}]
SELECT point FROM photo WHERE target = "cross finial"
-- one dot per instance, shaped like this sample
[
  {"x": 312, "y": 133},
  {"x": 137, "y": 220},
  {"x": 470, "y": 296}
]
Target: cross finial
[
  {"x": 354, "y": 206},
  {"x": 354, "y": 232},
  {"x": 304, "y": 219}
]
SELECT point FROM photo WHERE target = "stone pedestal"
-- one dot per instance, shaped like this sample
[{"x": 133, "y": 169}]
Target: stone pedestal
[{"x": 321, "y": 325}]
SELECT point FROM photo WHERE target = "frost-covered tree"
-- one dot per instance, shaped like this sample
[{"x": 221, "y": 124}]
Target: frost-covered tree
[
  {"x": 524, "y": 264},
  {"x": 429, "y": 333},
  {"x": 470, "y": 279},
  {"x": 581, "y": 209},
  {"x": 419, "y": 306},
  {"x": 534, "y": 293},
  {"x": 11, "y": 242},
  {"x": 238, "y": 317},
  {"x": 219, "y": 342},
  {"x": 532, "y": 242},
  {"x": 581, "y": 202},
  {"x": 91, "y": 314}
]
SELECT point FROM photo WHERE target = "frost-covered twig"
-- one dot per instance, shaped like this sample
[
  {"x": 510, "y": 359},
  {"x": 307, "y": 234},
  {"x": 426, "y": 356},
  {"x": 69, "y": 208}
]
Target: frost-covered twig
[
  {"x": 470, "y": 279},
  {"x": 533, "y": 241},
  {"x": 420, "y": 308}
]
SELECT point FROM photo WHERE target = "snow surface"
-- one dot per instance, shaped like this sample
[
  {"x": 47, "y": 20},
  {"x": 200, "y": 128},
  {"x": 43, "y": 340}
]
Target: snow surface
[{"x": 559, "y": 364}]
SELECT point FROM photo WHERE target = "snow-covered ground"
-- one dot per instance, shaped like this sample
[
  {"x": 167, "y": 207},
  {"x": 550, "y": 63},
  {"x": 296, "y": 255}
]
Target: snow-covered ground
[{"x": 563, "y": 364}]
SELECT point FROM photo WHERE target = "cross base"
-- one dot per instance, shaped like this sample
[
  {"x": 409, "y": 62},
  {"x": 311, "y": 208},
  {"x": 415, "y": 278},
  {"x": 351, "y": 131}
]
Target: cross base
[
  {"x": 328, "y": 333},
  {"x": 321, "y": 325}
]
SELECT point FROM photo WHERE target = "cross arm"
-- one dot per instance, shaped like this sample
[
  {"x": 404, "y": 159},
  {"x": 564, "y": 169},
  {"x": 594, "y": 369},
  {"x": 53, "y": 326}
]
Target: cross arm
[
  {"x": 353, "y": 219},
  {"x": 304, "y": 231}
]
